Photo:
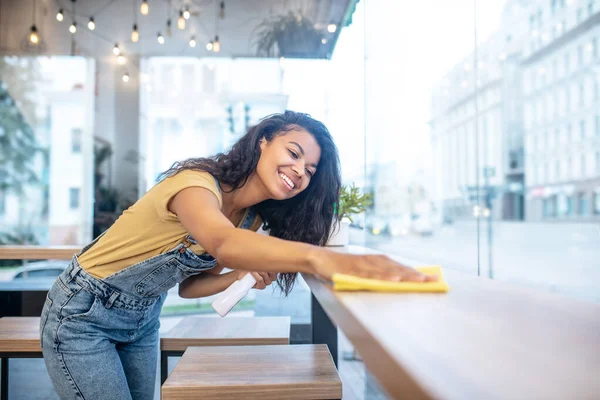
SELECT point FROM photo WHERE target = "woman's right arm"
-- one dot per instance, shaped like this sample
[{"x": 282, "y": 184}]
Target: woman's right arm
[{"x": 199, "y": 212}]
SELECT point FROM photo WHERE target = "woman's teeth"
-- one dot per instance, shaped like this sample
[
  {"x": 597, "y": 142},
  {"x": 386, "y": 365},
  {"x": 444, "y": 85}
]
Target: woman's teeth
[{"x": 287, "y": 180}]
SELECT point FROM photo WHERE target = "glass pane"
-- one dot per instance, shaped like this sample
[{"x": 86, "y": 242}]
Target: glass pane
[
  {"x": 422, "y": 140},
  {"x": 550, "y": 243},
  {"x": 46, "y": 164}
]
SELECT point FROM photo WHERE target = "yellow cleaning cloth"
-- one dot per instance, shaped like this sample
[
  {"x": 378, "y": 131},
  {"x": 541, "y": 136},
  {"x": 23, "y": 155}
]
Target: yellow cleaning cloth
[{"x": 349, "y": 282}]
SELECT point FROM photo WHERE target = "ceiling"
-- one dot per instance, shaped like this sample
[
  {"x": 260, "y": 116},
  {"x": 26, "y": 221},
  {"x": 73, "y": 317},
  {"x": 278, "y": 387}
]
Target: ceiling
[{"x": 114, "y": 20}]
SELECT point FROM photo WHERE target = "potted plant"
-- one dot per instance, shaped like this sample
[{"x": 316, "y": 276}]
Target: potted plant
[
  {"x": 294, "y": 35},
  {"x": 352, "y": 202}
]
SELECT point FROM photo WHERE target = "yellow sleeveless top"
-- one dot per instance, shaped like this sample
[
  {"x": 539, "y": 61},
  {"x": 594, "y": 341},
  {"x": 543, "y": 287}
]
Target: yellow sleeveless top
[{"x": 148, "y": 228}]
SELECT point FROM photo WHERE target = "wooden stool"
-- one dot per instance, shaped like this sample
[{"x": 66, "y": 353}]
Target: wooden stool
[
  {"x": 254, "y": 373},
  {"x": 19, "y": 338},
  {"x": 230, "y": 331}
]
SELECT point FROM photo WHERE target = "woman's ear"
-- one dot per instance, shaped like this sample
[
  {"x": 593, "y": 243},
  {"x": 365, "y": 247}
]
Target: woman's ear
[{"x": 262, "y": 143}]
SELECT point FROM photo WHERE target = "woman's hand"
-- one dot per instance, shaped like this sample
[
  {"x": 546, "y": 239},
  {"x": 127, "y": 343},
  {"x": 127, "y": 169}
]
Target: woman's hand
[
  {"x": 263, "y": 279},
  {"x": 326, "y": 263}
]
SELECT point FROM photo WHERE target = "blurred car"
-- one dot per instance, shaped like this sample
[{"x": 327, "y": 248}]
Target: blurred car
[
  {"x": 422, "y": 225},
  {"x": 399, "y": 226},
  {"x": 49, "y": 270},
  {"x": 377, "y": 225}
]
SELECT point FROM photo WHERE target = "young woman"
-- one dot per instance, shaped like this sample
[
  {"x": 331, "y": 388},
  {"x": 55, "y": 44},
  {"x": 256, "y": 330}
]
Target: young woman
[{"x": 99, "y": 326}]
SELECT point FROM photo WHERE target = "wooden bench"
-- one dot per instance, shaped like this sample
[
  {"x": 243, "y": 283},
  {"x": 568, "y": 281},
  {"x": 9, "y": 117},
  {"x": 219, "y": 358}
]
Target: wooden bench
[
  {"x": 295, "y": 372},
  {"x": 230, "y": 331},
  {"x": 19, "y": 338}
]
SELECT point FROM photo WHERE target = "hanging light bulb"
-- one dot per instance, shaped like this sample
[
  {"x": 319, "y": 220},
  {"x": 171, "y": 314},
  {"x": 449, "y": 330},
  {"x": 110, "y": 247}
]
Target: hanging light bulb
[
  {"x": 169, "y": 31},
  {"x": 331, "y": 28},
  {"x": 91, "y": 24},
  {"x": 73, "y": 27},
  {"x": 33, "y": 36},
  {"x": 160, "y": 38},
  {"x": 126, "y": 77},
  {"x": 181, "y": 21},
  {"x": 59, "y": 15},
  {"x": 193, "y": 42},
  {"x": 186, "y": 13},
  {"x": 324, "y": 41},
  {"x": 222, "y": 10},
  {"x": 216, "y": 45},
  {"x": 121, "y": 59},
  {"x": 144, "y": 9},
  {"x": 135, "y": 36},
  {"x": 209, "y": 46},
  {"x": 116, "y": 50}
]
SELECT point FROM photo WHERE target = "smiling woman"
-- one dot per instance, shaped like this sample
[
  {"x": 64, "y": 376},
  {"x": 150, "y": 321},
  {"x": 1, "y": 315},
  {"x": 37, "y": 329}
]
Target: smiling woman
[
  {"x": 284, "y": 174},
  {"x": 274, "y": 163}
]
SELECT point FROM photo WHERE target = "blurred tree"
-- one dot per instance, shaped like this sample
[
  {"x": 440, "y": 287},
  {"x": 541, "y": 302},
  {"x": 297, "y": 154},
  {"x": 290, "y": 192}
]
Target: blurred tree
[
  {"x": 18, "y": 143},
  {"x": 19, "y": 146}
]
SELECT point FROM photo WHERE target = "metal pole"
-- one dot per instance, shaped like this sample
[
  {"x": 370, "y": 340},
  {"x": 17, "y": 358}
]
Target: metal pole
[
  {"x": 323, "y": 329},
  {"x": 4, "y": 388},
  {"x": 490, "y": 234},
  {"x": 477, "y": 163}
]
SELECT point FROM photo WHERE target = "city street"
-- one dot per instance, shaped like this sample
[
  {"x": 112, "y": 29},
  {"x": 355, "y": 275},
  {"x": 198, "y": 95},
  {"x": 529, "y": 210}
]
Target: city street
[{"x": 564, "y": 258}]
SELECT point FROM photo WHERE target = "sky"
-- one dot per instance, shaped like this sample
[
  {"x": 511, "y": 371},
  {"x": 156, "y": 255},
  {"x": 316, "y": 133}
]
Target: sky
[{"x": 408, "y": 47}]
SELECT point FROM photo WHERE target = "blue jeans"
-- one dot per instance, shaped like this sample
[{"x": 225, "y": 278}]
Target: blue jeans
[{"x": 99, "y": 343}]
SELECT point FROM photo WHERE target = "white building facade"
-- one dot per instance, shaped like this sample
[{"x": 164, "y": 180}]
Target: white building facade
[
  {"x": 538, "y": 125},
  {"x": 561, "y": 66}
]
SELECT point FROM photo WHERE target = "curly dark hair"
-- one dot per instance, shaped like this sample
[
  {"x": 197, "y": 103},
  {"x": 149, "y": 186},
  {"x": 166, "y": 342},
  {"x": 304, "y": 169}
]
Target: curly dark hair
[{"x": 308, "y": 216}]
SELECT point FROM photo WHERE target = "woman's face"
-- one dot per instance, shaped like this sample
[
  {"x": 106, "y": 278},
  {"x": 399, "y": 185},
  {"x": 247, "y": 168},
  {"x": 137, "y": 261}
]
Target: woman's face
[{"x": 288, "y": 162}]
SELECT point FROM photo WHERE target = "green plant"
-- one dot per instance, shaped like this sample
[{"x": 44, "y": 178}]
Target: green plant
[
  {"x": 101, "y": 154},
  {"x": 294, "y": 35},
  {"x": 18, "y": 143},
  {"x": 352, "y": 202},
  {"x": 108, "y": 199}
]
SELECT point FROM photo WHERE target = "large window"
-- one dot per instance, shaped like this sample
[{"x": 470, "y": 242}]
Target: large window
[
  {"x": 74, "y": 194},
  {"x": 46, "y": 119},
  {"x": 583, "y": 204},
  {"x": 512, "y": 96},
  {"x": 76, "y": 137}
]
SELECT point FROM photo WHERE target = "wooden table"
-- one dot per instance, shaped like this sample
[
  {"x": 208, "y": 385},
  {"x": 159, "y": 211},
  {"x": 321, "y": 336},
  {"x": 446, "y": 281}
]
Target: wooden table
[
  {"x": 229, "y": 331},
  {"x": 483, "y": 340},
  {"x": 295, "y": 372},
  {"x": 38, "y": 252},
  {"x": 19, "y": 338}
]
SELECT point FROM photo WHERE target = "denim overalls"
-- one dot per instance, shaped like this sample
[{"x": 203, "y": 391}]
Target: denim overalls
[{"x": 99, "y": 337}]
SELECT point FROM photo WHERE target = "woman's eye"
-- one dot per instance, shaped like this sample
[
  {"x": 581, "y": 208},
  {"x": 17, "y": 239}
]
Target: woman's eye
[
  {"x": 294, "y": 155},
  {"x": 309, "y": 172}
]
